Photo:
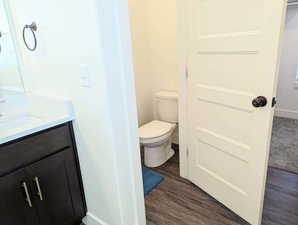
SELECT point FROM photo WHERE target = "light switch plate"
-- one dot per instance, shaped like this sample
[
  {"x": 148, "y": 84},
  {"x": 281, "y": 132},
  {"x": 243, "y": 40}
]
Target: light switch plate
[{"x": 85, "y": 76}]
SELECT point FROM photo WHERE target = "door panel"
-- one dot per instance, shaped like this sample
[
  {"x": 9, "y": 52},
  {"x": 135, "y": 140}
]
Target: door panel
[
  {"x": 52, "y": 191},
  {"x": 223, "y": 96},
  {"x": 228, "y": 16},
  {"x": 14, "y": 209},
  {"x": 233, "y": 48}
]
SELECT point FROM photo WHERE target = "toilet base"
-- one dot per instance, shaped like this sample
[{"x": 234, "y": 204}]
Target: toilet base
[{"x": 158, "y": 155}]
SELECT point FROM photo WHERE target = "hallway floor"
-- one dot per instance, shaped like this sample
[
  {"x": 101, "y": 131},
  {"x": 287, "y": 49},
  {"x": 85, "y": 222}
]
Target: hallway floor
[{"x": 177, "y": 201}]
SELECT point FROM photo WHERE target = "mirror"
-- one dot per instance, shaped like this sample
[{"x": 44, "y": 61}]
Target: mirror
[{"x": 10, "y": 77}]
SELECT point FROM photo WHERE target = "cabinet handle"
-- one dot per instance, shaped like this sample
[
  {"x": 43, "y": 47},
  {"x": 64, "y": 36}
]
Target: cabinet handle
[
  {"x": 28, "y": 199},
  {"x": 39, "y": 192}
]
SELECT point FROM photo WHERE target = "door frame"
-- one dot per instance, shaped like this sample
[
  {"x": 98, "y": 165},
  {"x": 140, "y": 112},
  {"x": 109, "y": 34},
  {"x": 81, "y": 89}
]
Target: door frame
[
  {"x": 182, "y": 32},
  {"x": 116, "y": 42}
]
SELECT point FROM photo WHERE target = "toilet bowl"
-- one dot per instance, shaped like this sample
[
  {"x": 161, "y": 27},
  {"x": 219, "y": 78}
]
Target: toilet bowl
[{"x": 156, "y": 137}]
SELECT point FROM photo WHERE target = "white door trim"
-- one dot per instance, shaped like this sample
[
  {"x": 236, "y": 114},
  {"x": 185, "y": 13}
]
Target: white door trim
[
  {"x": 117, "y": 50},
  {"x": 182, "y": 87}
]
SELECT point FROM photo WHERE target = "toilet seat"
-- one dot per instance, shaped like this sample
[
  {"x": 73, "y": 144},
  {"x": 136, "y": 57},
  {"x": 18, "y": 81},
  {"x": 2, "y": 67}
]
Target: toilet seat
[
  {"x": 155, "y": 132},
  {"x": 155, "y": 129}
]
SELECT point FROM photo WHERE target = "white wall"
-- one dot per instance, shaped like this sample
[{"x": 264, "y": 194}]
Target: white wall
[
  {"x": 143, "y": 75},
  {"x": 75, "y": 32},
  {"x": 162, "y": 33},
  {"x": 9, "y": 73},
  {"x": 154, "y": 27},
  {"x": 287, "y": 94}
]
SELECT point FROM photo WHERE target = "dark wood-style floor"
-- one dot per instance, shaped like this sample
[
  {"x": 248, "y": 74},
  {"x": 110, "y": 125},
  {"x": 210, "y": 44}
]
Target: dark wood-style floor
[{"x": 177, "y": 201}]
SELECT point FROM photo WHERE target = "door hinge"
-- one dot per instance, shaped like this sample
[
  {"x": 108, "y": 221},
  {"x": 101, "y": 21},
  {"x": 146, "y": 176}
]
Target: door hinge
[
  {"x": 187, "y": 152},
  {"x": 273, "y": 102},
  {"x": 186, "y": 72}
]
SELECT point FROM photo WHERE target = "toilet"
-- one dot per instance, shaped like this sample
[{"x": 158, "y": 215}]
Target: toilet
[{"x": 156, "y": 136}]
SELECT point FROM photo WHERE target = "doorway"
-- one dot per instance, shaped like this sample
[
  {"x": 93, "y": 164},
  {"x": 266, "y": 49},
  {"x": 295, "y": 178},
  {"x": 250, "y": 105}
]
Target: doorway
[
  {"x": 282, "y": 182},
  {"x": 177, "y": 200},
  {"x": 284, "y": 154}
]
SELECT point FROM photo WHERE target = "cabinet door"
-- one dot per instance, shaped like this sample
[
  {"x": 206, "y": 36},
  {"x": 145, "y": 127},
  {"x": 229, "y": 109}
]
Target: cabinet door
[
  {"x": 16, "y": 203},
  {"x": 53, "y": 192}
]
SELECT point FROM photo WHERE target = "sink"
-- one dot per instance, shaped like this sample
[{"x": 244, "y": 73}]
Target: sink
[{"x": 18, "y": 120}]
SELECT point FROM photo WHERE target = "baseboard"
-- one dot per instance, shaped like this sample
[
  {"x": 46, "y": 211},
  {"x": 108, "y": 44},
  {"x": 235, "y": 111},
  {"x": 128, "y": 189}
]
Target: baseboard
[
  {"x": 286, "y": 113},
  {"x": 90, "y": 219}
]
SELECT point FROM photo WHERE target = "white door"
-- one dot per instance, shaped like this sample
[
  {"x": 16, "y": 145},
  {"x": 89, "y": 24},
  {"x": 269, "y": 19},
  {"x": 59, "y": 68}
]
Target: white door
[{"x": 233, "y": 55}]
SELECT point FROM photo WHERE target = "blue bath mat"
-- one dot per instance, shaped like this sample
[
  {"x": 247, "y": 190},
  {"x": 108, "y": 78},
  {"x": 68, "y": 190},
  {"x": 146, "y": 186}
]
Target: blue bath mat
[{"x": 150, "y": 180}]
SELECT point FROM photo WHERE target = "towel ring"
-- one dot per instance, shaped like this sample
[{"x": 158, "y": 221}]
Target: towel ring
[{"x": 33, "y": 28}]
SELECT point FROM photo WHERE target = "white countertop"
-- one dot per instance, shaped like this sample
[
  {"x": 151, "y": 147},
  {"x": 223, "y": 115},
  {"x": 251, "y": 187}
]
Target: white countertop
[{"x": 22, "y": 115}]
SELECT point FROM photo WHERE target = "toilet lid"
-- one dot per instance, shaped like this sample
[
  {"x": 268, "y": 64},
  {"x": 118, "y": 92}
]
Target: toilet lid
[{"x": 155, "y": 129}]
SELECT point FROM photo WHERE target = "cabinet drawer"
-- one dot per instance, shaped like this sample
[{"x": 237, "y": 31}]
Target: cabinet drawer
[{"x": 32, "y": 148}]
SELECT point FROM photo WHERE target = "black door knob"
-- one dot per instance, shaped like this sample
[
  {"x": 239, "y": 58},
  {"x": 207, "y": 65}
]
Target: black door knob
[{"x": 260, "y": 101}]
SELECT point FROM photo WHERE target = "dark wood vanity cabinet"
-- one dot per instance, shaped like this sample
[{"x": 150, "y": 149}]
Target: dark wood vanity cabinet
[
  {"x": 13, "y": 208},
  {"x": 40, "y": 180}
]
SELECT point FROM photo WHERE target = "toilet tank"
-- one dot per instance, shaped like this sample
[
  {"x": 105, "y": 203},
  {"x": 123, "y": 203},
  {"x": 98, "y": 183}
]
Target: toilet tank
[{"x": 166, "y": 106}]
